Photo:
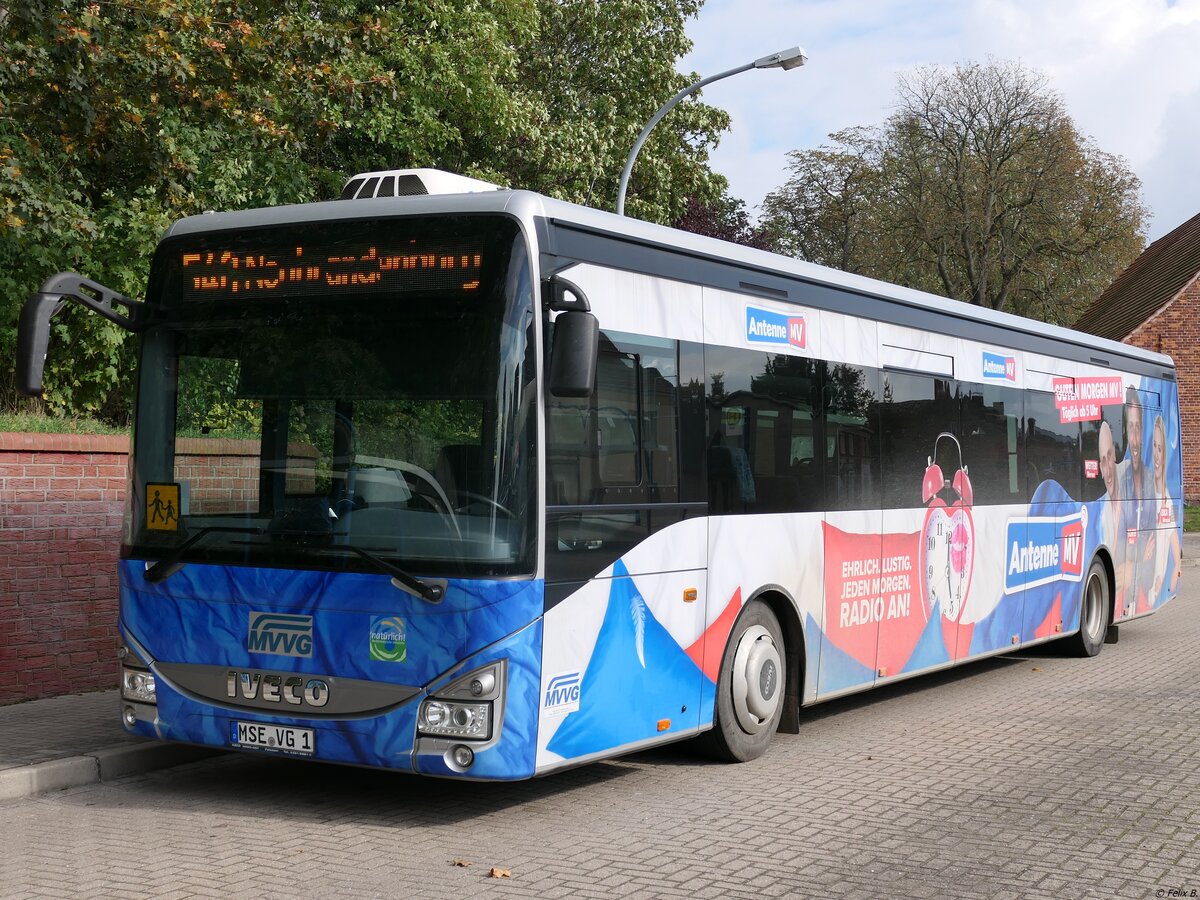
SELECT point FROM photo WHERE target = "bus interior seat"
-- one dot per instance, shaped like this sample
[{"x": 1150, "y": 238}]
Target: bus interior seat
[{"x": 381, "y": 487}]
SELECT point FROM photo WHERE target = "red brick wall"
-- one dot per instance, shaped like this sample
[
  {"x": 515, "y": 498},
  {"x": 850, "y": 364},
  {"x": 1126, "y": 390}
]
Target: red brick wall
[
  {"x": 1175, "y": 330},
  {"x": 60, "y": 525},
  {"x": 61, "y": 504}
]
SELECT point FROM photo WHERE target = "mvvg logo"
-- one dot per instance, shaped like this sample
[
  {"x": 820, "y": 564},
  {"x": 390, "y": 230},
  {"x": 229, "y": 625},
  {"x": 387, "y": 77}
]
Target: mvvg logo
[
  {"x": 997, "y": 366},
  {"x": 766, "y": 327},
  {"x": 280, "y": 634},
  {"x": 562, "y": 694}
]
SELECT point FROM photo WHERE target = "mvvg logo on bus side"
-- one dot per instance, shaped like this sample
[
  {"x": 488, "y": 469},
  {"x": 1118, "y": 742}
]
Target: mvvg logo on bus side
[
  {"x": 766, "y": 327},
  {"x": 562, "y": 693},
  {"x": 279, "y": 634},
  {"x": 997, "y": 366},
  {"x": 1044, "y": 549}
]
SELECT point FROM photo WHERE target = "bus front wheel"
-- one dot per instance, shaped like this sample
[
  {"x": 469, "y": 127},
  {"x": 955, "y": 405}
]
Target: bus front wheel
[{"x": 750, "y": 689}]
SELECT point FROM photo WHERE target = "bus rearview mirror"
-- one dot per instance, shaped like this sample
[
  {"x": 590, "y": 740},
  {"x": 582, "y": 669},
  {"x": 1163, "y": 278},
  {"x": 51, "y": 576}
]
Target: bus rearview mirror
[
  {"x": 573, "y": 357},
  {"x": 33, "y": 329},
  {"x": 33, "y": 341}
]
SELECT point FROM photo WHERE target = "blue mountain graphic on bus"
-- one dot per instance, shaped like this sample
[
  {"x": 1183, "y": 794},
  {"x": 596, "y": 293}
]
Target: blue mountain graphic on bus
[{"x": 622, "y": 700}]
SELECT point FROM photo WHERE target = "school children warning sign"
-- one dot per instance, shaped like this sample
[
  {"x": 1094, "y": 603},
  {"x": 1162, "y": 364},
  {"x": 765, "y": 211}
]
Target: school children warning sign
[{"x": 162, "y": 507}]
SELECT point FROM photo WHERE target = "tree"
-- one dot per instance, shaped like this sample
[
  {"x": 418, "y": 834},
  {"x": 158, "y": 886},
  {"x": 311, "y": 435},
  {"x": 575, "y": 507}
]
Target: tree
[
  {"x": 118, "y": 116},
  {"x": 725, "y": 218},
  {"x": 600, "y": 71},
  {"x": 978, "y": 187}
]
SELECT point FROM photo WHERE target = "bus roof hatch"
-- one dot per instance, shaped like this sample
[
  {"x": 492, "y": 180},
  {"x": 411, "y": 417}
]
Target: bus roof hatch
[{"x": 412, "y": 183}]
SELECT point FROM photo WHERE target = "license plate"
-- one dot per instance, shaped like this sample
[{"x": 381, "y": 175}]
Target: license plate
[{"x": 273, "y": 738}]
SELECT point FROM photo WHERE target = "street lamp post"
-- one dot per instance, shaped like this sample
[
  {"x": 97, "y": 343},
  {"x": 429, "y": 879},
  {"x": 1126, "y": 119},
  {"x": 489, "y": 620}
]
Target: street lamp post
[{"x": 784, "y": 59}]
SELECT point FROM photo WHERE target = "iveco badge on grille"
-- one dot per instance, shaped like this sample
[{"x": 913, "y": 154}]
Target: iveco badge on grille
[{"x": 291, "y": 689}]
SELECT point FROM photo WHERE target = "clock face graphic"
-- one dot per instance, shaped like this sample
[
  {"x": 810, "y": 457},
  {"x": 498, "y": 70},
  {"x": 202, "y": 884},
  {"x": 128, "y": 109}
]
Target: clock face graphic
[{"x": 946, "y": 552}]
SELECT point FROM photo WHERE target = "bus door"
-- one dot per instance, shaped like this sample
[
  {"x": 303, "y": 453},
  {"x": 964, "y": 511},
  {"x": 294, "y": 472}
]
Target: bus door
[
  {"x": 1051, "y": 557},
  {"x": 927, "y": 508},
  {"x": 626, "y": 542},
  {"x": 865, "y": 573}
]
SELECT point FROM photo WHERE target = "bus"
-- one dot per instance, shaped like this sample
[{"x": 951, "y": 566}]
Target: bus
[{"x": 476, "y": 483}]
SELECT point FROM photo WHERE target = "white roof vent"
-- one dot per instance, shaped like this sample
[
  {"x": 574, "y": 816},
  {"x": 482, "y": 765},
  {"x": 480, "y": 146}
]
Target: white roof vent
[{"x": 412, "y": 183}]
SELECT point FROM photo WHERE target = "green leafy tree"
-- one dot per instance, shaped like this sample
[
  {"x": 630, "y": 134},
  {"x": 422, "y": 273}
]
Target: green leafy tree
[
  {"x": 118, "y": 116},
  {"x": 601, "y": 70},
  {"x": 978, "y": 187},
  {"x": 724, "y": 218}
]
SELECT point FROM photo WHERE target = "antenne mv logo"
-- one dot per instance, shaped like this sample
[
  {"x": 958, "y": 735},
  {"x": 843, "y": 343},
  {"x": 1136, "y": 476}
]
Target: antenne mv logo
[
  {"x": 280, "y": 634},
  {"x": 766, "y": 327},
  {"x": 997, "y": 366},
  {"x": 1042, "y": 549}
]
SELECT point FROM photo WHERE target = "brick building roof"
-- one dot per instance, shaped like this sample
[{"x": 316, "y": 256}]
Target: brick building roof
[{"x": 1164, "y": 269}]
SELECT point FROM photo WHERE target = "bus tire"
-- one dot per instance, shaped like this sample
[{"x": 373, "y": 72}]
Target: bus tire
[
  {"x": 750, "y": 688},
  {"x": 1095, "y": 611}
]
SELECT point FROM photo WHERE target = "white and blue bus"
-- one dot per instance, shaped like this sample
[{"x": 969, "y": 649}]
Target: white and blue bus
[{"x": 476, "y": 483}]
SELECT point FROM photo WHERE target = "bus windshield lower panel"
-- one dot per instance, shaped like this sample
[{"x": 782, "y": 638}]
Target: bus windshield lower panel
[{"x": 331, "y": 396}]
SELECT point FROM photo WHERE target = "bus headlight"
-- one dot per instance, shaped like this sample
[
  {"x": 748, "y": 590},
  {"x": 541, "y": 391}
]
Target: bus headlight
[
  {"x": 449, "y": 718},
  {"x": 137, "y": 685},
  {"x": 466, "y": 707}
]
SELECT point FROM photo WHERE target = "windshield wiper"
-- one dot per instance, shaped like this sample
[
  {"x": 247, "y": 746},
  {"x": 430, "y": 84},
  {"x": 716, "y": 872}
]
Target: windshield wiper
[
  {"x": 170, "y": 564},
  {"x": 433, "y": 593}
]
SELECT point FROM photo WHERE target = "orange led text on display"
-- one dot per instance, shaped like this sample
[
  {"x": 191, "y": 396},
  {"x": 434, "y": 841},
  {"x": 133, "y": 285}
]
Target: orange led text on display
[{"x": 224, "y": 271}]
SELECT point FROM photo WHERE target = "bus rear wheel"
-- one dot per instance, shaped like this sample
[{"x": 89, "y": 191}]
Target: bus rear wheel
[
  {"x": 1095, "y": 610},
  {"x": 750, "y": 688}
]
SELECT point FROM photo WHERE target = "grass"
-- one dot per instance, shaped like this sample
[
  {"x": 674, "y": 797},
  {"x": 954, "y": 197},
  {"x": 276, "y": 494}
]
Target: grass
[
  {"x": 1191, "y": 518},
  {"x": 42, "y": 424}
]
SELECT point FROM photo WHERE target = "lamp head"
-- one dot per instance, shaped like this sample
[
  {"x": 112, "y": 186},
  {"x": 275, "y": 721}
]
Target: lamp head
[{"x": 791, "y": 58}]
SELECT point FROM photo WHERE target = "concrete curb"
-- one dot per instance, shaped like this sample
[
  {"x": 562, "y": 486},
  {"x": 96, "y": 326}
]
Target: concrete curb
[{"x": 101, "y": 765}]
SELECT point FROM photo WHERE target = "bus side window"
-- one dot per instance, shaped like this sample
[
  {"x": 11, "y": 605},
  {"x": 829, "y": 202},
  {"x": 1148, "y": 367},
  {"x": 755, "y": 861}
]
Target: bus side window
[
  {"x": 991, "y": 442},
  {"x": 763, "y": 444},
  {"x": 621, "y": 444},
  {"x": 1052, "y": 446},
  {"x": 852, "y": 479},
  {"x": 915, "y": 410}
]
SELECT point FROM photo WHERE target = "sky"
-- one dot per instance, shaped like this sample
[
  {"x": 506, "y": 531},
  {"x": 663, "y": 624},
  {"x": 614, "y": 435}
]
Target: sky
[{"x": 1127, "y": 70}]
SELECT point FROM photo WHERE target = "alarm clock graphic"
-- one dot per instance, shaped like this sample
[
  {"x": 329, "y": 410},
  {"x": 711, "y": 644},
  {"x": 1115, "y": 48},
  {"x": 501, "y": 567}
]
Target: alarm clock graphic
[{"x": 946, "y": 552}]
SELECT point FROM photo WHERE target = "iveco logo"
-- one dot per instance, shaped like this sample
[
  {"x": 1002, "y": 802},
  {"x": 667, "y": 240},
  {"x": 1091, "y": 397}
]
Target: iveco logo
[
  {"x": 279, "y": 634},
  {"x": 293, "y": 689}
]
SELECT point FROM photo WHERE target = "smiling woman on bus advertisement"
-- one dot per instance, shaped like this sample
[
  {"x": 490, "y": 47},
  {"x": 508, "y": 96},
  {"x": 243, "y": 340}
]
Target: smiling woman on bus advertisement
[{"x": 1167, "y": 536}]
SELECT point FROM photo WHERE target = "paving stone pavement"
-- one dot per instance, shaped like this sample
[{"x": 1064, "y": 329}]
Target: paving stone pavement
[
  {"x": 42, "y": 730},
  {"x": 1034, "y": 775},
  {"x": 72, "y": 740}
]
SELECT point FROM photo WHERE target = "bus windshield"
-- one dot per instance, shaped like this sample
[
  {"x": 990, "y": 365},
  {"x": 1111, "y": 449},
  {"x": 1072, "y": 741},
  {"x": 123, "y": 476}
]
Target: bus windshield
[{"x": 334, "y": 395}]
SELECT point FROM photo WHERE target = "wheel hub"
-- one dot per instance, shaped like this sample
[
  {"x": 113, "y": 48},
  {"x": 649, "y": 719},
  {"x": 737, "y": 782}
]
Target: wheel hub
[{"x": 757, "y": 669}]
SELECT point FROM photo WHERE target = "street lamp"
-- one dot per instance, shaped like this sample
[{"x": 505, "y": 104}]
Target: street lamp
[{"x": 784, "y": 59}]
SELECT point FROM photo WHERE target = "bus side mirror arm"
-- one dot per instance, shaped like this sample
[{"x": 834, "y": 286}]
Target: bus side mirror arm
[
  {"x": 576, "y": 340},
  {"x": 33, "y": 330}
]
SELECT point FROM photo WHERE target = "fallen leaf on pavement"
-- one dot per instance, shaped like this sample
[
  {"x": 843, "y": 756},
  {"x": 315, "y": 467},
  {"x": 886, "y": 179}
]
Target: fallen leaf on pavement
[{"x": 500, "y": 873}]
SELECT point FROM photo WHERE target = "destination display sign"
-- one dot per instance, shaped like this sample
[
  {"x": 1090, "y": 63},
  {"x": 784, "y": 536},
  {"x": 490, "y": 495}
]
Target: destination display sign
[{"x": 306, "y": 270}]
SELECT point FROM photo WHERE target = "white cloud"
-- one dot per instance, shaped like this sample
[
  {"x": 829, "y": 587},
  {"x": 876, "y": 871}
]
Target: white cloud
[{"x": 1125, "y": 68}]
